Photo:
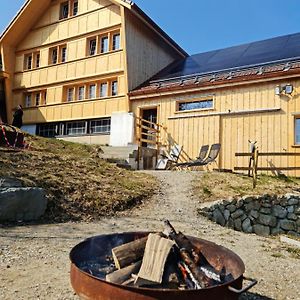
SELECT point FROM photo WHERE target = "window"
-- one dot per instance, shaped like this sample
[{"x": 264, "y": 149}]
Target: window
[
  {"x": 92, "y": 91},
  {"x": 297, "y": 131},
  {"x": 103, "y": 89},
  {"x": 100, "y": 126},
  {"x": 63, "y": 54},
  {"x": 44, "y": 97},
  {"x": 64, "y": 10},
  {"x": 193, "y": 105},
  {"x": 28, "y": 62},
  {"x": 104, "y": 44},
  {"x": 76, "y": 128},
  {"x": 70, "y": 95},
  {"x": 75, "y": 8},
  {"x": 37, "y": 99},
  {"x": 116, "y": 42},
  {"x": 81, "y": 92},
  {"x": 53, "y": 56},
  {"x": 37, "y": 60},
  {"x": 28, "y": 100},
  {"x": 114, "y": 88},
  {"x": 92, "y": 47},
  {"x": 48, "y": 130}
]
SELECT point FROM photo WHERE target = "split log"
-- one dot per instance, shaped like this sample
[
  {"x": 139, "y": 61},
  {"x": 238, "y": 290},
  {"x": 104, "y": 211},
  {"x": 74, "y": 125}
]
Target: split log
[
  {"x": 129, "y": 253},
  {"x": 122, "y": 275},
  {"x": 156, "y": 253}
]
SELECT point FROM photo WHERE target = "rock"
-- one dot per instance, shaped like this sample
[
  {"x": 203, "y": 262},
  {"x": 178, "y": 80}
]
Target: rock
[
  {"x": 297, "y": 211},
  {"x": 248, "y": 199},
  {"x": 254, "y": 214},
  {"x": 8, "y": 182},
  {"x": 277, "y": 231},
  {"x": 230, "y": 223},
  {"x": 246, "y": 226},
  {"x": 287, "y": 225},
  {"x": 279, "y": 211},
  {"x": 292, "y": 217},
  {"x": 266, "y": 205},
  {"x": 231, "y": 208},
  {"x": 293, "y": 201},
  {"x": 22, "y": 204},
  {"x": 218, "y": 217},
  {"x": 238, "y": 224},
  {"x": 226, "y": 214},
  {"x": 261, "y": 230},
  {"x": 250, "y": 206},
  {"x": 240, "y": 204},
  {"x": 265, "y": 210},
  {"x": 221, "y": 208},
  {"x": 237, "y": 214},
  {"x": 290, "y": 209},
  {"x": 267, "y": 220},
  {"x": 293, "y": 233}
]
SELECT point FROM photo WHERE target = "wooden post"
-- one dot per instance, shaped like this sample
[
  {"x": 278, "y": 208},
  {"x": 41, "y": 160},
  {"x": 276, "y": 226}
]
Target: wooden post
[{"x": 255, "y": 165}]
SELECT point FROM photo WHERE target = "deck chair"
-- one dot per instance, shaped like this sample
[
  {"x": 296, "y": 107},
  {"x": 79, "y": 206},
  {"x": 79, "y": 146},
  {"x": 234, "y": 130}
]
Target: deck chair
[
  {"x": 212, "y": 156},
  {"x": 202, "y": 155},
  {"x": 169, "y": 158}
]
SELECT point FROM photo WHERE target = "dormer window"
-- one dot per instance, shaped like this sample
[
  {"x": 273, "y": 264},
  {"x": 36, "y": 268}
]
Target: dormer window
[
  {"x": 64, "y": 10},
  {"x": 68, "y": 9}
]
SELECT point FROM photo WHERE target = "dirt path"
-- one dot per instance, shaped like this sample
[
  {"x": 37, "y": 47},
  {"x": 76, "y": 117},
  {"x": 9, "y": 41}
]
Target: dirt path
[{"x": 34, "y": 260}]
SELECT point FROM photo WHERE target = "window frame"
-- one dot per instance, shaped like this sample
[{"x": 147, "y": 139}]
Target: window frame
[
  {"x": 78, "y": 92},
  {"x": 113, "y": 48},
  {"x": 101, "y": 84},
  {"x": 61, "y": 11},
  {"x": 112, "y": 92},
  {"x": 76, "y": 134},
  {"x": 89, "y": 41},
  {"x": 191, "y": 101},
  {"x": 104, "y": 132},
  {"x": 89, "y": 91},
  {"x": 103, "y": 49},
  {"x": 295, "y": 130}
]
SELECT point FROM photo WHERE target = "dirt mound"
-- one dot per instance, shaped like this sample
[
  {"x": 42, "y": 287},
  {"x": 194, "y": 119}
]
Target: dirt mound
[{"x": 79, "y": 185}]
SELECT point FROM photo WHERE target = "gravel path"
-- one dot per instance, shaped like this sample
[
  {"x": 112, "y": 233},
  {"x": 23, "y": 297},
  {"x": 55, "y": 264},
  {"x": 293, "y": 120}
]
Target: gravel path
[{"x": 34, "y": 260}]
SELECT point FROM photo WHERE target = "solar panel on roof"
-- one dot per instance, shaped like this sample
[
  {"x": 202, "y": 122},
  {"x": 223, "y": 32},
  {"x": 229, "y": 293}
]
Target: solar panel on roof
[{"x": 256, "y": 53}]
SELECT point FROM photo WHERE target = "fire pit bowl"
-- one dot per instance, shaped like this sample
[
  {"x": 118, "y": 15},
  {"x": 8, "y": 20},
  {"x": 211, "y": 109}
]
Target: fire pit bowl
[{"x": 96, "y": 250}]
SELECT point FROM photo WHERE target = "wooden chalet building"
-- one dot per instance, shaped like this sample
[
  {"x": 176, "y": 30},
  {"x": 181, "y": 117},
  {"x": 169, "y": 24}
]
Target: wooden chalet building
[{"x": 85, "y": 69}]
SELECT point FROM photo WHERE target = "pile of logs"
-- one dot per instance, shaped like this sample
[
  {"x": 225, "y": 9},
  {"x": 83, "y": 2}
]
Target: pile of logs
[{"x": 164, "y": 260}]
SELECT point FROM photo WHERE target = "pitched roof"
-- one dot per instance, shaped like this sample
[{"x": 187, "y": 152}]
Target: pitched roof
[{"x": 266, "y": 52}]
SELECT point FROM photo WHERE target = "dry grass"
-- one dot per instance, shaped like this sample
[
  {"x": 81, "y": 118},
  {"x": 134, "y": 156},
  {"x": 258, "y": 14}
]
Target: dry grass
[
  {"x": 79, "y": 185},
  {"x": 216, "y": 186}
]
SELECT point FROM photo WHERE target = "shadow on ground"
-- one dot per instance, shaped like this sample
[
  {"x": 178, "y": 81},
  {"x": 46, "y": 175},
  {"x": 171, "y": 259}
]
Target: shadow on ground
[{"x": 254, "y": 296}]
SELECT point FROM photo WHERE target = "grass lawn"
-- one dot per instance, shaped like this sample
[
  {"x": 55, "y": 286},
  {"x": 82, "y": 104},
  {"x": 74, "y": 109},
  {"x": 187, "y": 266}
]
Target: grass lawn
[{"x": 217, "y": 186}]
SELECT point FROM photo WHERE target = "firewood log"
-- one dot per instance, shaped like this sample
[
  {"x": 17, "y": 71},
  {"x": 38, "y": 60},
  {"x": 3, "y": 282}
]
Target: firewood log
[
  {"x": 121, "y": 276},
  {"x": 156, "y": 253},
  {"x": 129, "y": 253}
]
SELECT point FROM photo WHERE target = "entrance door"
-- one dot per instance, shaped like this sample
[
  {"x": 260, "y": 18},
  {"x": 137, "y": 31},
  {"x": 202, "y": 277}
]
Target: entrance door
[{"x": 150, "y": 115}]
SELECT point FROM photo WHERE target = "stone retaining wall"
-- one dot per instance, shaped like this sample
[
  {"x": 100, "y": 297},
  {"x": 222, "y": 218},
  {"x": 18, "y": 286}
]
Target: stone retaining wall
[{"x": 263, "y": 215}]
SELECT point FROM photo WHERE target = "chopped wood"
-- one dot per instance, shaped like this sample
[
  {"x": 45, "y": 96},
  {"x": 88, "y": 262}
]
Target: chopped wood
[
  {"x": 122, "y": 275},
  {"x": 129, "y": 253},
  {"x": 156, "y": 253}
]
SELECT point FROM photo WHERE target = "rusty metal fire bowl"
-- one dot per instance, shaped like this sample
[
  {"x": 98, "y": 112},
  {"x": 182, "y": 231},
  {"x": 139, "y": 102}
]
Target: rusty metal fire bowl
[{"x": 96, "y": 250}]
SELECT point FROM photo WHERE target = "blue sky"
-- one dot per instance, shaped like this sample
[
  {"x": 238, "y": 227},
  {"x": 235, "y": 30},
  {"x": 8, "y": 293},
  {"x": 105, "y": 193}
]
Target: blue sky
[{"x": 203, "y": 25}]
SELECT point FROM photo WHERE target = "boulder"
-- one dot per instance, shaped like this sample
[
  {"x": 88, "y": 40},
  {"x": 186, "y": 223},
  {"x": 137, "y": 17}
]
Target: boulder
[
  {"x": 231, "y": 208},
  {"x": 290, "y": 209},
  {"x": 218, "y": 217},
  {"x": 287, "y": 225},
  {"x": 237, "y": 214},
  {"x": 293, "y": 201},
  {"x": 265, "y": 210},
  {"x": 267, "y": 220},
  {"x": 238, "y": 224},
  {"x": 277, "y": 231},
  {"x": 292, "y": 217},
  {"x": 22, "y": 204},
  {"x": 246, "y": 226},
  {"x": 261, "y": 230},
  {"x": 254, "y": 214},
  {"x": 279, "y": 211},
  {"x": 226, "y": 214}
]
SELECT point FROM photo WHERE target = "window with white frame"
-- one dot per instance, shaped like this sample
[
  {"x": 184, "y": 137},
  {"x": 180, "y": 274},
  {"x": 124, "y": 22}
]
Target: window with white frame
[
  {"x": 63, "y": 54},
  {"x": 37, "y": 99},
  {"x": 70, "y": 94},
  {"x": 195, "y": 105},
  {"x": 92, "y": 47},
  {"x": 53, "y": 56},
  {"x": 37, "y": 59},
  {"x": 100, "y": 126},
  {"x": 76, "y": 128},
  {"x": 81, "y": 93},
  {"x": 114, "y": 88},
  {"x": 58, "y": 54},
  {"x": 75, "y": 8},
  {"x": 68, "y": 9},
  {"x": 92, "y": 91},
  {"x": 28, "y": 62},
  {"x": 297, "y": 130},
  {"x": 103, "y": 89},
  {"x": 116, "y": 42},
  {"x": 48, "y": 130},
  {"x": 104, "y": 44},
  {"x": 32, "y": 61},
  {"x": 64, "y": 10}
]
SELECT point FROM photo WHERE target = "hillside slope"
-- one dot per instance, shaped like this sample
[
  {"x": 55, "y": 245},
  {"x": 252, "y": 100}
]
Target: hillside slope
[{"x": 79, "y": 185}]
